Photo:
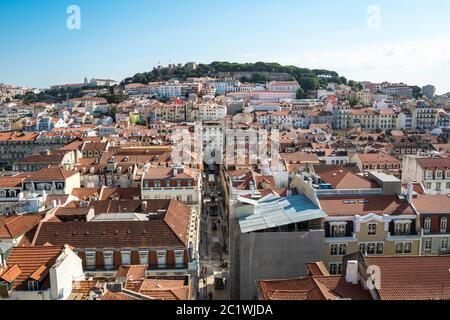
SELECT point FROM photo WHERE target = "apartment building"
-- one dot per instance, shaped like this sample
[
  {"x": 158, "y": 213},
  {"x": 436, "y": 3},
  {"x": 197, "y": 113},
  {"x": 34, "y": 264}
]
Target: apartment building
[
  {"x": 161, "y": 234},
  {"x": 177, "y": 182},
  {"x": 434, "y": 212},
  {"x": 432, "y": 172},
  {"x": 283, "y": 86},
  {"x": 53, "y": 180}
]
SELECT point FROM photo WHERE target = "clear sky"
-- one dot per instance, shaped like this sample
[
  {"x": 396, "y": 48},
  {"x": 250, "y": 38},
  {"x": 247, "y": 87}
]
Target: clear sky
[{"x": 410, "y": 41}]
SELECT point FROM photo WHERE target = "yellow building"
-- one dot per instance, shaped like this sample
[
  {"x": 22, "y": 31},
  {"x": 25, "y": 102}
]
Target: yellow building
[{"x": 376, "y": 225}]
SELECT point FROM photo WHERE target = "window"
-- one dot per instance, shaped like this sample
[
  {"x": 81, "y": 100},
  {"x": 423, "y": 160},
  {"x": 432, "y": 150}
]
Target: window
[
  {"x": 161, "y": 256},
  {"x": 333, "y": 250},
  {"x": 428, "y": 185},
  {"x": 402, "y": 229},
  {"x": 399, "y": 247},
  {"x": 342, "y": 249},
  {"x": 444, "y": 244},
  {"x": 126, "y": 258},
  {"x": 438, "y": 186},
  {"x": 338, "y": 230},
  {"x": 427, "y": 225},
  {"x": 429, "y": 174},
  {"x": 407, "y": 247},
  {"x": 443, "y": 225},
  {"x": 371, "y": 248},
  {"x": 448, "y": 174},
  {"x": 448, "y": 185},
  {"x": 403, "y": 247},
  {"x": 108, "y": 260},
  {"x": 335, "y": 268},
  {"x": 33, "y": 286},
  {"x": 438, "y": 174},
  {"x": 428, "y": 242},
  {"x": 179, "y": 258},
  {"x": 372, "y": 229},
  {"x": 90, "y": 259},
  {"x": 143, "y": 257}
]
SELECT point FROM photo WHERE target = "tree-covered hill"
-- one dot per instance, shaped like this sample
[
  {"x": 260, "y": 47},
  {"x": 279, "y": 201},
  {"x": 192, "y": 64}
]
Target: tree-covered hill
[{"x": 310, "y": 79}]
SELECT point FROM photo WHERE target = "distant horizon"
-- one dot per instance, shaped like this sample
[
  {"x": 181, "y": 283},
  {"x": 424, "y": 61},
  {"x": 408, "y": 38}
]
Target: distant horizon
[
  {"x": 45, "y": 44},
  {"x": 243, "y": 62}
]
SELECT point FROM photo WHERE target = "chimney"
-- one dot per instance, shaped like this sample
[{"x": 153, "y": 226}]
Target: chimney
[
  {"x": 351, "y": 275},
  {"x": 409, "y": 193}
]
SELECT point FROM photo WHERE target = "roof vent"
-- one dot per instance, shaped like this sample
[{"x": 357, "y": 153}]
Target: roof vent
[
  {"x": 88, "y": 233},
  {"x": 116, "y": 232}
]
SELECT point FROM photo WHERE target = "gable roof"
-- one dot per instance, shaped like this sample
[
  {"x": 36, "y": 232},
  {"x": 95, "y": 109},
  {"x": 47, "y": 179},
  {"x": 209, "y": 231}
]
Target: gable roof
[
  {"x": 33, "y": 263},
  {"x": 312, "y": 288},
  {"x": 14, "y": 226},
  {"x": 50, "y": 174}
]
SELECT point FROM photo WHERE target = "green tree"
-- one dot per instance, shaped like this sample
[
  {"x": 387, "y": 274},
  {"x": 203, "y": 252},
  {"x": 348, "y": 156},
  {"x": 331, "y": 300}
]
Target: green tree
[
  {"x": 301, "y": 94},
  {"x": 259, "y": 77},
  {"x": 309, "y": 84}
]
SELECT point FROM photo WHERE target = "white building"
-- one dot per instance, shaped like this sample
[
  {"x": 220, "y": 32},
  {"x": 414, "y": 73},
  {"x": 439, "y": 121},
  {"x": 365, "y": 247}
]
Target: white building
[
  {"x": 283, "y": 86},
  {"x": 40, "y": 273},
  {"x": 432, "y": 172}
]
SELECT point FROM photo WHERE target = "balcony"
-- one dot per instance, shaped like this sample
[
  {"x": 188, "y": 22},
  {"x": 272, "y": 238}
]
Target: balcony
[
  {"x": 348, "y": 237},
  {"x": 403, "y": 236}
]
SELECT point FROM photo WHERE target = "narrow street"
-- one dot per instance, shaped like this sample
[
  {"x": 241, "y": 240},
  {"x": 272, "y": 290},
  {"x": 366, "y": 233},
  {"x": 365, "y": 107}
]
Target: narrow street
[{"x": 214, "y": 260}]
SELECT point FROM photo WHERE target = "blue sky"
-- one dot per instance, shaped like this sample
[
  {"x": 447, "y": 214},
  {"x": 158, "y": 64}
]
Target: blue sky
[{"x": 119, "y": 38}]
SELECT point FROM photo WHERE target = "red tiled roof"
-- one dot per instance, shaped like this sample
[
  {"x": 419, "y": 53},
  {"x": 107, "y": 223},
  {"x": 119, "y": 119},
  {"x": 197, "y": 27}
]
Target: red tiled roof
[
  {"x": 413, "y": 278},
  {"x": 50, "y": 174},
  {"x": 11, "y": 182},
  {"x": 434, "y": 162},
  {"x": 432, "y": 204},
  {"x": 161, "y": 289},
  {"x": 364, "y": 205},
  {"x": 32, "y": 261},
  {"x": 170, "y": 229},
  {"x": 14, "y": 226},
  {"x": 132, "y": 273},
  {"x": 312, "y": 288}
]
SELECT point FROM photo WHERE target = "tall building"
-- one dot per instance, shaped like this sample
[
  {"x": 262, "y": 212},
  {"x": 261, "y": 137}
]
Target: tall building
[{"x": 429, "y": 91}]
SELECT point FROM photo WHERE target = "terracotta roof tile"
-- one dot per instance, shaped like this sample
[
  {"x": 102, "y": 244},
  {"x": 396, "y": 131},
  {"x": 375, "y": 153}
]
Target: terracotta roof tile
[
  {"x": 364, "y": 205},
  {"x": 413, "y": 278},
  {"x": 30, "y": 261},
  {"x": 50, "y": 174}
]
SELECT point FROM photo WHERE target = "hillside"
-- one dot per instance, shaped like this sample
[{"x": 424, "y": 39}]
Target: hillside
[{"x": 309, "y": 79}]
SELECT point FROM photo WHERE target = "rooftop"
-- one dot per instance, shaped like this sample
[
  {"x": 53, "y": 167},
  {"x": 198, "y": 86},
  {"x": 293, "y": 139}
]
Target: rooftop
[{"x": 274, "y": 211}]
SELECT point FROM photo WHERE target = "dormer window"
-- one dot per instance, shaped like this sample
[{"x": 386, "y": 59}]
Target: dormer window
[
  {"x": 33, "y": 285},
  {"x": 439, "y": 174},
  {"x": 443, "y": 225},
  {"x": 427, "y": 225},
  {"x": 429, "y": 174},
  {"x": 338, "y": 229},
  {"x": 402, "y": 228}
]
